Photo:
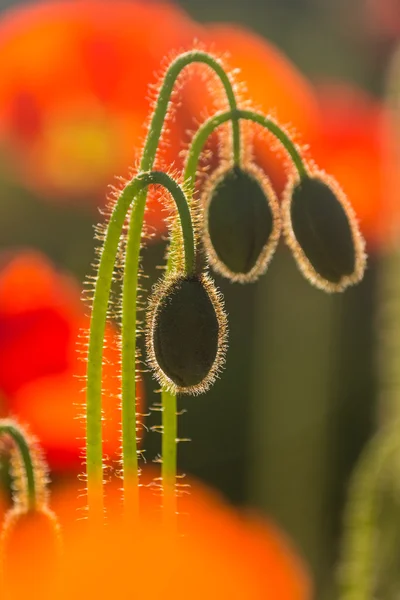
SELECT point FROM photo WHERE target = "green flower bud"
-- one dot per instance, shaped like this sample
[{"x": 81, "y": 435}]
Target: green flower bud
[
  {"x": 241, "y": 222},
  {"x": 321, "y": 229},
  {"x": 186, "y": 333}
]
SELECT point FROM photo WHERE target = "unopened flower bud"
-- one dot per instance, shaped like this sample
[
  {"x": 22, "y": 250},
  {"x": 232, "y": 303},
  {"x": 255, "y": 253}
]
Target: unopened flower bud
[
  {"x": 242, "y": 222},
  {"x": 186, "y": 333},
  {"x": 321, "y": 229}
]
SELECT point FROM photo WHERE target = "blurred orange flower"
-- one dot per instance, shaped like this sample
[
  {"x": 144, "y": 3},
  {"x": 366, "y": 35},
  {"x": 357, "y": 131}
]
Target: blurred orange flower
[
  {"x": 74, "y": 97},
  {"x": 41, "y": 321},
  {"x": 222, "y": 554},
  {"x": 350, "y": 147},
  {"x": 74, "y": 90}
]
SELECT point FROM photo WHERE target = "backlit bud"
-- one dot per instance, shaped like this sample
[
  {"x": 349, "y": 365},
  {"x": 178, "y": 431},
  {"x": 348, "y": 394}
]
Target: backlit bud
[
  {"x": 242, "y": 222},
  {"x": 186, "y": 333},
  {"x": 321, "y": 229}
]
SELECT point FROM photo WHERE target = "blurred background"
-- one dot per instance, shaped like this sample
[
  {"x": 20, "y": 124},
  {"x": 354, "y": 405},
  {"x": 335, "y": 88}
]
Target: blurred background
[{"x": 302, "y": 391}]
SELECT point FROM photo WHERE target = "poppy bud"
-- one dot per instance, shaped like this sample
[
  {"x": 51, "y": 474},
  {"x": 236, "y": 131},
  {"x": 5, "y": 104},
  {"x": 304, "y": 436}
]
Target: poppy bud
[
  {"x": 186, "y": 333},
  {"x": 321, "y": 229},
  {"x": 241, "y": 222}
]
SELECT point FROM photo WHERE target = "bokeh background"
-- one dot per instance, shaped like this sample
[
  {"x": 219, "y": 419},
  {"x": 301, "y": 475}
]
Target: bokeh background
[{"x": 302, "y": 391}]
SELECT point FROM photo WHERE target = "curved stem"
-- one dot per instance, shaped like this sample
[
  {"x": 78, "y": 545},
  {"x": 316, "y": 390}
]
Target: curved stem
[
  {"x": 102, "y": 291},
  {"x": 129, "y": 299},
  {"x": 10, "y": 428},
  {"x": 98, "y": 322},
  {"x": 209, "y": 126},
  {"x": 164, "y": 97},
  {"x": 169, "y": 402},
  {"x": 132, "y": 256}
]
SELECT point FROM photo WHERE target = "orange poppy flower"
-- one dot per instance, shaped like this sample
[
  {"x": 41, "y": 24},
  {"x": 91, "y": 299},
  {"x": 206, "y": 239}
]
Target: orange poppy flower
[
  {"x": 74, "y": 86},
  {"x": 74, "y": 89},
  {"x": 41, "y": 321},
  {"x": 222, "y": 554}
]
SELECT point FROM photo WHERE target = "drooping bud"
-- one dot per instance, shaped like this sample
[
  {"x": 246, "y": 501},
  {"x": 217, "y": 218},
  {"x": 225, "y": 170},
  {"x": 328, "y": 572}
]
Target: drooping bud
[
  {"x": 242, "y": 222},
  {"x": 186, "y": 333},
  {"x": 321, "y": 229}
]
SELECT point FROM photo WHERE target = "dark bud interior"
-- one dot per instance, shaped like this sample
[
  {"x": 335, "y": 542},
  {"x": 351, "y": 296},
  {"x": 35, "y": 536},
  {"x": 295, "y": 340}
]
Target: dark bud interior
[
  {"x": 240, "y": 220},
  {"x": 185, "y": 335},
  {"x": 322, "y": 229}
]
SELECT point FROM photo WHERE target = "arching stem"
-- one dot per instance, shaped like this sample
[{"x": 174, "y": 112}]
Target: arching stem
[
  {"x": 213, "y": 123},
  {"x": 129, "y": 444},
  {"x": 129, "y": 195},
  {"x": 94, "y": 465}
]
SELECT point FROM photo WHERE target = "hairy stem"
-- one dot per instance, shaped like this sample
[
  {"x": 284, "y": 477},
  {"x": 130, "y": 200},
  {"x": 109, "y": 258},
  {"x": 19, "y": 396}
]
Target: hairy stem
[
  {"x": 131, "y": 193},
  {"x": 129, "y": 443},
  {"x": 157, "y": 121},
  {"x": 169, "y": 401},
  {"x": 102, "y": 291},
  {"x": 209, "y": 126},
  {"x": 169, "y": 456}
]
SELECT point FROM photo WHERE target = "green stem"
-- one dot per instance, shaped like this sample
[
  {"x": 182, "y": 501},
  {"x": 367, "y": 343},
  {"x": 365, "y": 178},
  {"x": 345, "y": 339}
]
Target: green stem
[
  {"x": 129, "y": 296},
  {"x": 9, "y": 428},
  {"x": 209, "y": 126},
  {"x": 97, "y": 329},
  {"x": 164, "y": 97},
  {"x": 169, "y": 455},
  {"x": 199, "y": 140},
  {"x": 129, "y": 443}
]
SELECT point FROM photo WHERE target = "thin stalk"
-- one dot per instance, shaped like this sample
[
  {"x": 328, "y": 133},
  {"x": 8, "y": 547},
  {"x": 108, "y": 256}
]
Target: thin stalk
[
  {"x": 11, "y": 429},
  {"x": 211, "y": 124},
  {"x": 98, "y": 322},
  {"x": 169, "y": 401},
  {"x": 164, "y": 97},
  {"x": 130, "y": 285},
  {"x": 129, "y": 291},
  {"x": 169, "y": 456}
]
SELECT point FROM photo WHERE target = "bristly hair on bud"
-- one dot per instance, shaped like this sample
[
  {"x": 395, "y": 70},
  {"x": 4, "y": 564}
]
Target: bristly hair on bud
[
  {"x": 321, "y": 229},
  {"x": 242, "y": 222},
  {"x": 186, "y": 334}
]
